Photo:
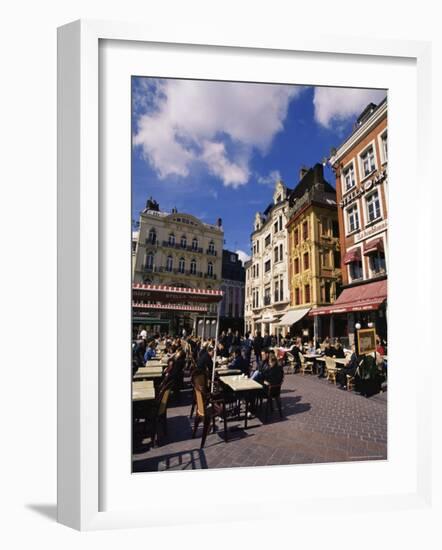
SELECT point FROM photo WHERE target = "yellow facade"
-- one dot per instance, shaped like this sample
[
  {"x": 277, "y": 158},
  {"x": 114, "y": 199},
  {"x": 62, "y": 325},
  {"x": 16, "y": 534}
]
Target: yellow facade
[{"x": 314, "y": 257}]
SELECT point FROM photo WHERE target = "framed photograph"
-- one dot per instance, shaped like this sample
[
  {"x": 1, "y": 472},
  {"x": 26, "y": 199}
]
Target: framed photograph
[
  {"x": 366, "y": 340},
  {"x": 228, "y": 218}
]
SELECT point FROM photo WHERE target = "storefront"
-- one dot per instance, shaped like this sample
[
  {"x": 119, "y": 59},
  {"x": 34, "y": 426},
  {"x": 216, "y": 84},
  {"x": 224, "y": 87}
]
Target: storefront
[{"x": 364, "y": 303}]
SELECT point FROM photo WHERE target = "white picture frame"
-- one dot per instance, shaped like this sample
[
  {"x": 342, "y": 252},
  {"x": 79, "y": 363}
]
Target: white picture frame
[{"x": 80, "y": 441}]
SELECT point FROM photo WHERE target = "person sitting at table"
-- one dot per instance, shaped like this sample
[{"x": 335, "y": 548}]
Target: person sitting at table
[
  {"x": 311, "y": 350},
  {"x": 150, "y": 352},
  {"x": 339, "y": 350},
  {"x": 205, "y": 361},
  {"x": 274, "y": 374},
  {"x": 379, "y": 347},
  {"x": 239, "y": 363},
  {"x": 350, "y": 368},
  {"x": 263, "y": 365}
]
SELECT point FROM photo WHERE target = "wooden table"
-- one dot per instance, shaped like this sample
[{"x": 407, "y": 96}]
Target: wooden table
[
  {"x": 227, "y": 372},
  {"x": 143, "y": 391},
  {"x": 148, "y": 372},
  {"x": 242, "y": 386}
]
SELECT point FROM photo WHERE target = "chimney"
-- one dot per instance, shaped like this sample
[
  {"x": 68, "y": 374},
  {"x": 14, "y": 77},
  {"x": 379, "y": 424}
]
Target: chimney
[{"x": 302, "y": 172}]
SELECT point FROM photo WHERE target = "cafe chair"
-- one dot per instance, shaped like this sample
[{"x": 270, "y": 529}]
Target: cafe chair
[
  {"x": 291, "y": 368},
  {"x": 350, "y": 382},
  {"x": 207, "y": 407},
  {"x": 157, "y": 415},
  {"x": 306, "y": 366},
  {"x": 330, "y": 365},
  {"x": 271, "y": 393}
]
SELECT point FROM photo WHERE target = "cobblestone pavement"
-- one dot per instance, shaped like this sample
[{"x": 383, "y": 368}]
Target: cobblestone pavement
[{"x": 321, "y": 423}]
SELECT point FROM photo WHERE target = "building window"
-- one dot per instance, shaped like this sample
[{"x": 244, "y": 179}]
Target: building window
[
  {"x": 373, "y": 207},
  {"x": 210, "y": 269},
  {"x": 267, "y": 297},
  {"x": 183, "y": 241},
  {"x": 377, "y": 262},
  {"x": 268, "y": 240},
  {"x": 257, "y": 247},
  {"x": 367, "y": 160},
  {"x": 296, "y": 265},
  {"x": 275, "y": 253},
  {"x": 193, "y": 267},
  {"x": 233, "y": 258},
  {"x": 349, "y": 177},
  {"x": 384, "y": 146},
  {"x": 267, "y": 266},
  {"x": 296, "y": 236},
  {"x": 307, "y": 294},
  {"x": 172, "y": 239},
  {"x": 306, "y": 260},
  {"x": 276, "y": 293},
  {"x": 325, "y": 259},
  {"x": 353, "y": 219},
  {"x": 257, "y": 270},
  {"x": 281, "y": 289},
  {"x": 152, "y": 236},
  {"x": 194, "y": 243},
  {"x": 297, "y": 296},
  {"x": 336, "y": 259},
  {"x": 327, "y": 292},
  {"x": 305, "y": 230},
  {"x": 149, "y": 261},
  {"x": 169, "y": 263},
  {"x": 280, "y": 252},
  {"x": 324, "y": 226},
  {"x": 280, "y": 223},
  {"x": 181, "y": 265},
  {"x": 275, "y": 227},
  {"x": 355, "y": 270},
  {"x": 211, "y": 247},
  {"x": 335, "y": 228}
]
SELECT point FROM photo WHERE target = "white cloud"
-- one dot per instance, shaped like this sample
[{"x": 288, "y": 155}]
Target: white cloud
[
  {"x": 338, "y": 104},
  {"x": 215, "y": 123},
  {"x": 243, "y": 256},
  {"x": 271, "y": 178}
]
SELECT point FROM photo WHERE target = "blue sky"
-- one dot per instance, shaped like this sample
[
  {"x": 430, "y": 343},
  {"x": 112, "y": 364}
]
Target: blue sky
[{"x": 215, "y": 149}]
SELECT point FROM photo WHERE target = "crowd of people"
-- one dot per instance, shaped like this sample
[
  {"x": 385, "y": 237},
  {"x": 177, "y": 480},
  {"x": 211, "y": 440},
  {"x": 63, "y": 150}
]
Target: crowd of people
[{"x": 255, "y": 357}]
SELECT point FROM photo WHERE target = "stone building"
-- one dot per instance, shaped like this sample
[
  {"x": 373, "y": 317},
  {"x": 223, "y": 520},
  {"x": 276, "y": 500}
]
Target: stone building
[
  {"x": 361, "y": 168},
  {"x": 233, "y": 286},
  {"x": 177, "y": 249},
  {"x": 267, "y": 291}
]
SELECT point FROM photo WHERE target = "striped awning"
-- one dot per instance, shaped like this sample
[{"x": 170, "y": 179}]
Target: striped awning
[
  {"x": 170, "y": 307},
  {"x": 376, "y": 245},
  {"x": 352, "y": 256},
  {"x": 174, "y": 295}
]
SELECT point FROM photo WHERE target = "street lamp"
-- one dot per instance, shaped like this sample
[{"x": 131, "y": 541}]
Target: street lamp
[{"x": 357, "y": 327}]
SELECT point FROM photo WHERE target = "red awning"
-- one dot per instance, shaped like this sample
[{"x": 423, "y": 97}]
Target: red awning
[
  {"x": 373, "y": 246},
  {"x": 352, "y": 256},
  {"x": 170, "y": 307},
  {"x": 363, "y": 297},
  {"x": 174, "y": 295}
]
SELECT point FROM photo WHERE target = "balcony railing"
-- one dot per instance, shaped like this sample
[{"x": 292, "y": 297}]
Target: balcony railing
[
  {"x": 179, "y": 246},
  {"x": 211, "y": 252}
]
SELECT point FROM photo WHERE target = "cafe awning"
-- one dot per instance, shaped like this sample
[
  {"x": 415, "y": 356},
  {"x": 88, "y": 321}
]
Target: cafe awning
[
  {"x": 352, "y": 256},
  {"x": 376, "y": 245},
  {"x": 174, "y": 295},
  {"x": 363, "y": 297},
  {"x": 293, "y": 316},
  {"x": 170, "y": 307}
]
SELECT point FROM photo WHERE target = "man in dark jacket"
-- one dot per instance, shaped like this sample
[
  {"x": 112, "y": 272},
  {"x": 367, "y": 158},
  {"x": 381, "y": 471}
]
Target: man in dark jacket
[{"x": 257, "y": 347}]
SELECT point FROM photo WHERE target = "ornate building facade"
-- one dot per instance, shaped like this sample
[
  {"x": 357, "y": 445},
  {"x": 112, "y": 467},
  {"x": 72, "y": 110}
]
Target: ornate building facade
[
  {"x": 314, "y": 249},
  {"x": 177, "y": 249},
  {"x": 361, "y": 168},
  {"x": 267, "y": 291}
]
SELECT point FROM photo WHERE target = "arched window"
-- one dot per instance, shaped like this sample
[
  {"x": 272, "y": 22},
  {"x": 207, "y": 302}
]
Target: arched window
[
  {"x": 211, "y": 247},
  {"x": 181, "y": 265},
  {"x": 169, "y": 263},
  {"x": 183, "y": 241},
  {"x": 172, "y": 239},
  {"x": 210, "y": 269},
  {"x": 193, "y": 267},
  {"x": 152, "y": 236},
  {"x": 149, "y": 260},
  {"x": 194, "y": 243}
]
